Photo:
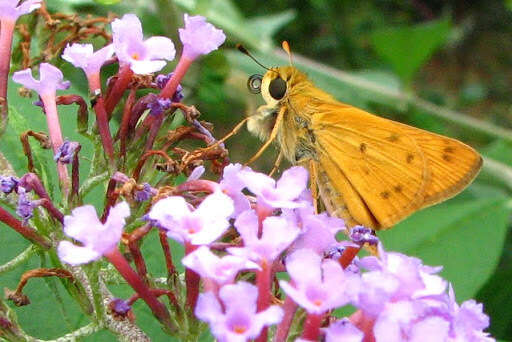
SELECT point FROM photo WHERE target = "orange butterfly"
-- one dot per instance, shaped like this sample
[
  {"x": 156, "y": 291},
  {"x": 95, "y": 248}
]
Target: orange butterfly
[{"x": 368, "y": 170}]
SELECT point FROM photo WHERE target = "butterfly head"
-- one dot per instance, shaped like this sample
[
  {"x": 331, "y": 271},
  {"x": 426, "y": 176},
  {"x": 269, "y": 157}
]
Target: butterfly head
[{"x": 274, "y": 85}]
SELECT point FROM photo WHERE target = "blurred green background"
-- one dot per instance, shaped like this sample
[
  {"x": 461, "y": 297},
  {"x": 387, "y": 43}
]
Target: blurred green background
[{"x": 445, "y": 66}]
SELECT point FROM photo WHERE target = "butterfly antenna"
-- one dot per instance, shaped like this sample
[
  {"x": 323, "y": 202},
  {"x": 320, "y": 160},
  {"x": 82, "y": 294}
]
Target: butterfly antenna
[
  {"x": 286, "y": 48},
  {"x": 243, "y": 50}
]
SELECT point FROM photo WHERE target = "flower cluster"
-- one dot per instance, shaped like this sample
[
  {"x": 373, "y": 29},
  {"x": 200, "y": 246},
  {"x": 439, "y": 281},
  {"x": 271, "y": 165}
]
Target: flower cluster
[
  {"x": 397, "y": 297},
  {"x": 257, "y": 254}
]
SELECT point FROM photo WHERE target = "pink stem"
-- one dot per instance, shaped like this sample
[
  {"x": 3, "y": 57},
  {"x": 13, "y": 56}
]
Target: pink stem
[
  {"x": 364, "y": 323},
  {"x": 348, "y": 255},
  {"x": 125, "y": 122},
  {"x": 179, "y": 73},
  {"x": 54, "y": 130},
  {"x": 31, "y": 181},
  {"x": 6, "y": 34},
  {"x": 264, "y": 284},
  {"x": 122, "y": 82},
  {"x": 27, "y": 232},
  {"x": 289, "y": 307},
  {"x": 263, "y": 212},
  {"x": 153, "y": 131},
  {"x": 192, "y": 280},
  {"x": 158, "y": 309},
  {"x": 312, "y": 327},
  {"x": 101, "y": 115}
]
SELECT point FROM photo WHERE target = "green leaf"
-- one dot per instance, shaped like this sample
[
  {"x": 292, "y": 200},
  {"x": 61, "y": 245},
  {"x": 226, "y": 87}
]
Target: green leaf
[
  {"x": 500, "y": 151},
  {"x": 465, "y": 237},
  {"x": 107, "y": 2},
  {"x": 12, "y": 149},
  {"x": 270, "y": 24},
  {"x": 496, "y": 295},
  {"x": 407, "y": 48}
]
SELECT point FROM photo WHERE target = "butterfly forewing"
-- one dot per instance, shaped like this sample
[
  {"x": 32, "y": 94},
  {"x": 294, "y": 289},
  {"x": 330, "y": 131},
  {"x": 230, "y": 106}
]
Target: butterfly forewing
[
  {"x": 395, "y": 169},
  {"x": 452, "y": 164}
]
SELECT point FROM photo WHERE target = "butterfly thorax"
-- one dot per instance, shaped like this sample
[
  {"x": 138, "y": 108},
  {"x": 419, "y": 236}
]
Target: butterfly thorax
[
  {"x": 300, "y": 104},
  {"x": 297, "y": 107}
]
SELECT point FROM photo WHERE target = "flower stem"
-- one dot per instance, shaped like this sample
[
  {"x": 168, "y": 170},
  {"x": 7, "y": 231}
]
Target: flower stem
[
  {"x": 54, "y": 130},
  {"x": 6, "y": 34},
  {"x": 158, "y": 309},
  {"x": 125, "y": 122},
  {"x": 180, "y": 71},
  {"x": 27, "y": 232},
  {"x": 264, "y": 284},
  {"x": 31, "y": 181},
  {"x": 101, "y": 115},
  {"x": 122, "y": 82},
  {"x": 348, "y": 255},
  {"x": 312, "y": 327},
  {"x": 192, "y": 280},
  {"x": 289, "y": 307},
  {"x": 171, "y": 269},
  {"x": 364, "y": 323}
]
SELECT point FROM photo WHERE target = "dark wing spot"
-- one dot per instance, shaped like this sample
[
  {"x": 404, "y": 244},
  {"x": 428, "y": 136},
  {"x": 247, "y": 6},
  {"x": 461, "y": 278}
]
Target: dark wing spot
[
  {"x": 385, "y": 194},
  {"x": 397, "y": 188},
  {"x": 447, "y": 158},
  {"x": 449, "y": 149},
  {"x": 393, "y": 137},
  {"x": 410, "y": 158},
  {"x": 366, "y": 171},
  {"x": 362, "y": 148}
]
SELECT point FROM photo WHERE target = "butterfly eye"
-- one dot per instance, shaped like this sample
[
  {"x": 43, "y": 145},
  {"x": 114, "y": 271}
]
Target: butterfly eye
[
  {"x": 277, "y": 88},
  {"x": 254, "y": 83}
]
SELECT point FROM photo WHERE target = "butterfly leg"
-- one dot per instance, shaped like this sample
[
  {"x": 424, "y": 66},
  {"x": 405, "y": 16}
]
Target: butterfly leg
[
  {"x": 271, "y": 138},
  {"x": 230, "y": 134},
  {"x": 313, "y": 181},
  {"x": 277, "y": 163}
]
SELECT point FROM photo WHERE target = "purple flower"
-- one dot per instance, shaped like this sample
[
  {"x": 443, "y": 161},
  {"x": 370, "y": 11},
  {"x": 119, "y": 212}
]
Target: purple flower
[
  {"x": 83, "y": 56},
  {"x": 468, "y": 320},
  {"x": 97, "y": 238},
  {"x": 120, "y": 306},
  {"x": 222, "y": 270},
  {"x": 285, "y": 193},
  {"x": 277, "y": 235},
  {"x": 145, "y": 194},
  {"x": 161, "y": 80},
  {"x": 239, "y": 320},
  {"x": 143, "y": 56},
  {"x": 11, "y": 11},
  {"x": 318, "y": 286},
  {"x": 199, "y": 37},
  {"x": 25, "y": 207},
  {"x": 8, "y": 184},
  {"x": 66, "y": 152},
  {"x": 200, "y": 226},
  {"x": 430, "y": 319},
  {"x": 318, "y": 231},
  {"x": 362, "y": 235},
  {"x": 196, "y": 173},
  {"x": 396, "y": 277},
  {"x": 343, "y": 330},
  {"x": 232, "y": 185},
  {"x": 159, "y": 105},
  {"x": 50, "y": 79}
]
